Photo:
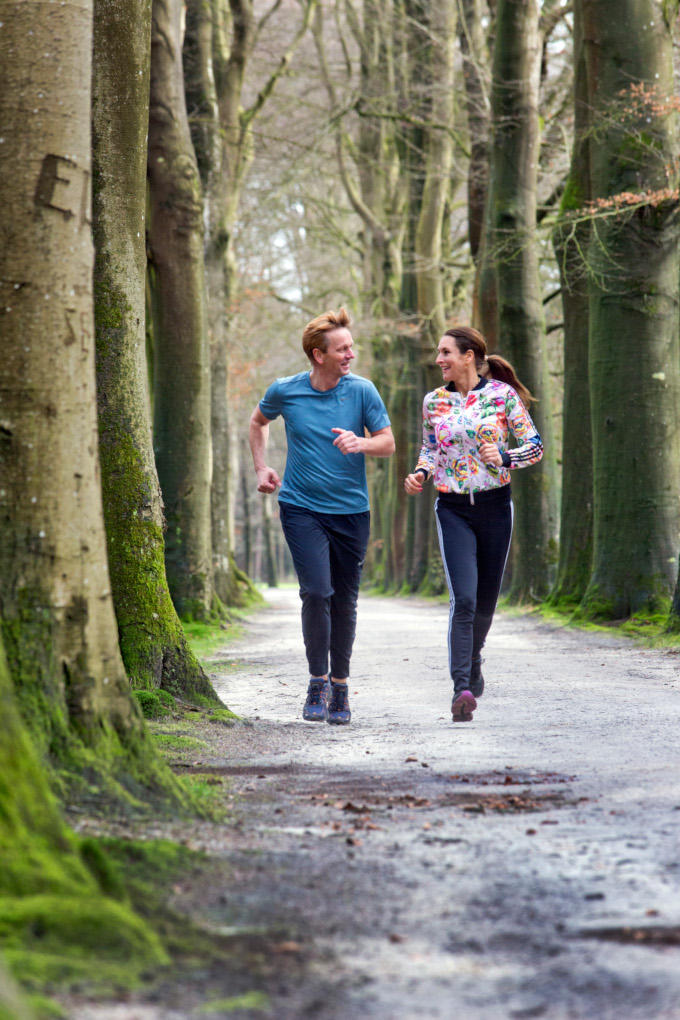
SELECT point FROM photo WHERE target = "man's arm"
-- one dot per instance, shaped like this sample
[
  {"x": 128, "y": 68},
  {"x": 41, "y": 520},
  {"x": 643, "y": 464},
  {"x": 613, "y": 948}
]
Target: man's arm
[
  {"x": 258, "y": 434},
  {"x": 378, "y": 444}
]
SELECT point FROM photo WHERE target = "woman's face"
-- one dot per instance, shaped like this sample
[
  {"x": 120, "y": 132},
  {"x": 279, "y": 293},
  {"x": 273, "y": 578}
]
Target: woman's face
[{"x": 453, "y": 363}]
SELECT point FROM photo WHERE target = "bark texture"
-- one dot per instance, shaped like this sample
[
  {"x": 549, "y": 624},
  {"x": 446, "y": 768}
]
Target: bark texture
[
  {"x": 55, "y": 596},
  {"x": 154, "y": 649},
  {"x": 181, "y": 356},
  {"x": 570, "y": 240},
  {"x": 516, "y": 70},
  {"x": 634, "y": 356}
]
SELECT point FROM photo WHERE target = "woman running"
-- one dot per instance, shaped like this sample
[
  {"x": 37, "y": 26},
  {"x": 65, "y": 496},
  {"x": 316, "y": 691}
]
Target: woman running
[{"x": 467, "y": 423}]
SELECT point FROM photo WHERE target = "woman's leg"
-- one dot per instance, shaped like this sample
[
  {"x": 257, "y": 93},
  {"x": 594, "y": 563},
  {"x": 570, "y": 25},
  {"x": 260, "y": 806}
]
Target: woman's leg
[
  {"x": 458, "y": 545},
  {"x": 493, "y": 529}
]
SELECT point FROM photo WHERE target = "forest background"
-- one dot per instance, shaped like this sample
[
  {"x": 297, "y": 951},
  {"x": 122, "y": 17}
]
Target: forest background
[{"x": 184, "y": 186}]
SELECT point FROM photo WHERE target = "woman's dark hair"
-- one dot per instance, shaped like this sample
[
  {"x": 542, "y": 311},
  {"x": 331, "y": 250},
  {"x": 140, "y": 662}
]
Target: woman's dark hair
[{"x": 469, "y": 339}]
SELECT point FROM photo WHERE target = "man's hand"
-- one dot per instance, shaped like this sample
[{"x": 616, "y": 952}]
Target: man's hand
[
  {"x": 267, "y": 480},
  {"x": 348, "y": 442}
]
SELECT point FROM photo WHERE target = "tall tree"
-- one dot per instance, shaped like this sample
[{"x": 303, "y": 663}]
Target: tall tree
[
  {"x": 570, "y": 240},
  {"x": 55, "y": 596},
  {"x": 153, "y": 645},
  {"x": 514, "y": 167},
  {"x": 634, "y": 358},
  {"x": 181, "y": 355},
  {"x": 218, "y": 47}
]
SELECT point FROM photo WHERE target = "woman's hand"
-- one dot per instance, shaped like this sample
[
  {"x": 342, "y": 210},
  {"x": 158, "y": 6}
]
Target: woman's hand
[
  {"x": 490, "y": 454},
  {"x": 413, "y": 484}
]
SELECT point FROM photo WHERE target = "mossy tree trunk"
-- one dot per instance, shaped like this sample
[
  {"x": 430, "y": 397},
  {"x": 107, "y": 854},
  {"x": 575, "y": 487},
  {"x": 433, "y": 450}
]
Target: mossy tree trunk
[
  {"x": 516, "y": 71},
  {"x": 152, "y": 642},
  {"x": 181, "y": 356},
  {"x": 55, "y": 593},
  {"x": 634, "y": 356},
  {"x": 570, "y": 240},
  {"x": 46, "y": 885}
]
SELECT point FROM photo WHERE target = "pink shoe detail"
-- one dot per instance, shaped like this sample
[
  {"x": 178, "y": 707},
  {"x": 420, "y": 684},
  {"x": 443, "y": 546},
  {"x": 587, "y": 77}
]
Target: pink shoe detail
[{"x": 463, "y": 706}]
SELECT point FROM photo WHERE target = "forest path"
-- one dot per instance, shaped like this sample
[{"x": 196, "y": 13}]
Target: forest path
[{"x": 526, "y": 864}]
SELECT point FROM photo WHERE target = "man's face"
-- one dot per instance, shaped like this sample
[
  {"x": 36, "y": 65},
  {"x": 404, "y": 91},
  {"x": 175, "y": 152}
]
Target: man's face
[{"x": 339, "y": 354}]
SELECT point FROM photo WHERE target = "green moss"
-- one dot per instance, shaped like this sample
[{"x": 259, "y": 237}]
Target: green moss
[
  {"x": 175, "y": 742},
  {"x": 46, "y": 1009},
  {"x": 65, "y": 926},
  {"x": 155, "y": 704},
  {"x": 224, "y": 716},
  {"x": 572, "y": 196}
]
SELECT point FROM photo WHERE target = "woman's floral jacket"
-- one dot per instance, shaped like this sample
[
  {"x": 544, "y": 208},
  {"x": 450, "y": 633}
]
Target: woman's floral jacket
[{"x": 453, "y": 428}]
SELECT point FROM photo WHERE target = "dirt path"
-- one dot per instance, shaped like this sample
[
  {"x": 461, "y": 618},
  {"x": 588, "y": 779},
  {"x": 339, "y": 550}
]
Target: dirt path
[{"x": 524, "y": 865}]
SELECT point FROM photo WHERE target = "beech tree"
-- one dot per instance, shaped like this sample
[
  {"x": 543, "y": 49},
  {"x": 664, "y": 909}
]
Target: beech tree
[
  {"x": 634, "y": 362},
  {"x": 153, "y": 645},
  {"x": 570, "y": 238},
  {"x": 512, "y": 206},
  {"x": 57, "y": 612},
  {"x": 181, "y": 360}
]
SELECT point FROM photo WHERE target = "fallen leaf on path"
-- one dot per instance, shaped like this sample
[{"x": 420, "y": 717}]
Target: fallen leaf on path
[{"x": 410, "y": 758}]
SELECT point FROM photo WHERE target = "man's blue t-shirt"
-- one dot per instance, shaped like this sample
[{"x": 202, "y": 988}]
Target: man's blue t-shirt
[{"x": 317, "y": 475}]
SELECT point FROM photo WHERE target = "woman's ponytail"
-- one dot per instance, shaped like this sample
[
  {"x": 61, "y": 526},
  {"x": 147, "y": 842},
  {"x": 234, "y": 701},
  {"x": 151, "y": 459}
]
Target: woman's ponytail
[
  {"x": 502, "y": 370},
  {"x": 469, "y": 339}
]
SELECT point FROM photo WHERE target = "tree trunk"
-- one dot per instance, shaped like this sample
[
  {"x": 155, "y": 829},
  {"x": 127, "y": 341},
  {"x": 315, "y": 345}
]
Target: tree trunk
[
  {"x": 154, "y": 648},
  {"x": 516, "y": 68},
  {"x": 570, "y": 240},
  {"x": 55, "y": 594},
  {"x": 44, "y": 867},
  {"x": 181, "y": 358},
  {"x": 634, "y": 356},
  {"x": 472, "y": 36}
]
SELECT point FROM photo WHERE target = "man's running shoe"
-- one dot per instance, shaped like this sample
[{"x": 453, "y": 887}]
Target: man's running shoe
[
  {"x": 338, "y": 709},
  {"x": 316, "y": 705},
  {"x": 462, "y": 706}
]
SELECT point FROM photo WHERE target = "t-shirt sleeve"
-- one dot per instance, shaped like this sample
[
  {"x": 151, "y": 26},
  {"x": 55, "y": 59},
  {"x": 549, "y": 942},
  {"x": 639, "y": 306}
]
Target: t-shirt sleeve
[
  {"x": 375, "y": 412},
  {"x": 271, "y": 404}
]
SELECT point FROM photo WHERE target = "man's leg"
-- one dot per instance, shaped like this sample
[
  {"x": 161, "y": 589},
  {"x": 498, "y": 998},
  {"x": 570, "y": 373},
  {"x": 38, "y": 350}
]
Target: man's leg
[
  {"x": 309, "y": 548},
  {"x": 348, "y": 540}
]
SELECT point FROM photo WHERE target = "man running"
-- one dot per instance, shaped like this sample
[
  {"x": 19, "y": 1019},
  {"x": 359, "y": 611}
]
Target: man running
[{"x": 323, "y": 502}]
